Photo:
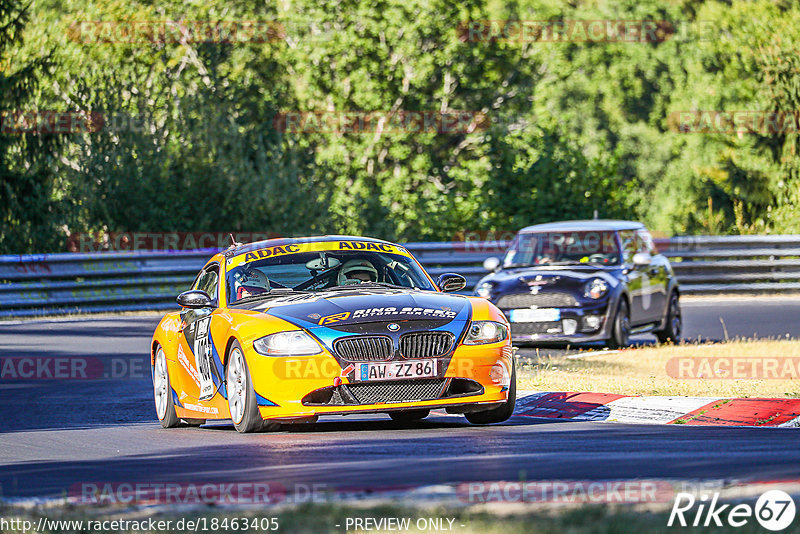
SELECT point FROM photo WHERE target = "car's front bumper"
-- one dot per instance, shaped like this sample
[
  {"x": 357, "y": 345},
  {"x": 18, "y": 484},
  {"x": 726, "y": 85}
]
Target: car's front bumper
[
  {"x": 283, "y": 397},
  {"x": 560, "y": 331}
]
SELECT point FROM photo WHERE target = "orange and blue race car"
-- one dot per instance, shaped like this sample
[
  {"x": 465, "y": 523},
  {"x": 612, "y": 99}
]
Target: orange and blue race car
[{"x": 285, "y": 330}]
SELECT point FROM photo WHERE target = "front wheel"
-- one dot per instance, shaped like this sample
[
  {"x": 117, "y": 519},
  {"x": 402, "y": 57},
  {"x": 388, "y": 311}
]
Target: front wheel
[
  {"x": 241, "y": 395},
  {"x": 672, "y": 330},
  {"x": 621, "y": 329},
  {"x": 502, "y": 412},
  {"x": 162, "y": 391}
]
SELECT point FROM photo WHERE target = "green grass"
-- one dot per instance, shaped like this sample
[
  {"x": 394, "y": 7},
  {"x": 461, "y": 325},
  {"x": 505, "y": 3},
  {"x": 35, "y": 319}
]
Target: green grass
[{"x": 643, "y": 371}]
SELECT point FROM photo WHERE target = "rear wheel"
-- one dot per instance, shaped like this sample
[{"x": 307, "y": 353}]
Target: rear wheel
[
  {"x": 162, "y": 391},
  {"x": 621, "y": 329},
  {"x": 241, "y": 395},
  {"x": 407, "y": 416},
  {"x": 672, "y": 330},
  {"x": 502, "y": 412}
]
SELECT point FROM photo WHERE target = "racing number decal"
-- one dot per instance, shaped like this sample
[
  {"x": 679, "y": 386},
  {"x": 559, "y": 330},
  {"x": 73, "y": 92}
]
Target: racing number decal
[{"x": 202, "y": 356}]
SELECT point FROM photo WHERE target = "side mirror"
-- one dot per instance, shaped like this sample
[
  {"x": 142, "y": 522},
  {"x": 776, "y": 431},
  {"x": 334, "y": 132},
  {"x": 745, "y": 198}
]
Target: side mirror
[
  {"x": 491, "y": 264},
  {"x": 194, "y": 299},
  {"x": 642, "y": 258},
  {"x": 450, "y": 282}
]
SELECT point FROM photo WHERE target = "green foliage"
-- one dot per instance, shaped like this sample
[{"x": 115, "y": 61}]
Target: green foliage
[
  {"x": 188, "y": 141},
  {"x": 29, "y": 210}
]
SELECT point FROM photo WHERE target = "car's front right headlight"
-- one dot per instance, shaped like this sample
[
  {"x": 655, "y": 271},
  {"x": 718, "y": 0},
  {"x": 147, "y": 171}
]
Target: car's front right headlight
[
  {"x": 481, "y": 332},
  {"x": 596, "y": 288},
  {"x": 292, "y": 343},
  {"x": 485, "y": 290}
]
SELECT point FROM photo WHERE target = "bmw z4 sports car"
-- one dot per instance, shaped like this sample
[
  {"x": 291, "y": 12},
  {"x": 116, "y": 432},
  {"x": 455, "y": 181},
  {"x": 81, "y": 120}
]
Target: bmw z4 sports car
[
  {"x": 582, "y": 281},
  {"x": 286, "y": 330}
]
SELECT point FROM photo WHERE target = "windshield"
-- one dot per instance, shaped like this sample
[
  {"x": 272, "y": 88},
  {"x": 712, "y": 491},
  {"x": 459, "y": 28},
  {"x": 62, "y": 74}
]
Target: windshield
[
  {"x": 563, "y": 248},
  {"x": 327, "y": 267}
]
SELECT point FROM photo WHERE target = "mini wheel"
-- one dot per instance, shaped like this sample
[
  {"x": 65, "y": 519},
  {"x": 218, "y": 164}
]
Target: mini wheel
[{"x": 621, "y": 329}]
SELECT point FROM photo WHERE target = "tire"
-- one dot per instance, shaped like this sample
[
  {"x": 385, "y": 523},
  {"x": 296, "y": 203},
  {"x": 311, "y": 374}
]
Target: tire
[
  {"x": 241, "y": 395},
  {"x": 502, "y": 412},
  {"x": 408, "y": 416},
  {"x": 162, "y": 391},
  {"x": 620, "y": 331},
  {"x": 674, "y": 326}
]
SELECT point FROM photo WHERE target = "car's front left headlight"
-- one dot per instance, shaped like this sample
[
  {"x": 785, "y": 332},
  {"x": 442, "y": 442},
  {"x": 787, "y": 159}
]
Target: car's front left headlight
[
  {"x": 293, "y": 343},
  {"x": 481, "y": 332},
  {"x": 596, "y": 288}
]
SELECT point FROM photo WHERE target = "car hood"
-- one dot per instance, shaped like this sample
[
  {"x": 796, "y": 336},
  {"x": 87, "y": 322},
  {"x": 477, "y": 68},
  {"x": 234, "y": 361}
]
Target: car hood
[
  {"x": 572, "y": 277},
  {"x": 361, "y": 310}
]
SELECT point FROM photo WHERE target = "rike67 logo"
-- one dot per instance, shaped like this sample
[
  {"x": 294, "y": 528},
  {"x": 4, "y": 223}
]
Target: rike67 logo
[{"x": 774, "y": 510}]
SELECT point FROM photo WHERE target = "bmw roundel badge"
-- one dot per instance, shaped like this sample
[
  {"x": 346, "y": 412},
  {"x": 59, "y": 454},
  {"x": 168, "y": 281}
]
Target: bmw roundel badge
[{"x": 394, "y": 327}]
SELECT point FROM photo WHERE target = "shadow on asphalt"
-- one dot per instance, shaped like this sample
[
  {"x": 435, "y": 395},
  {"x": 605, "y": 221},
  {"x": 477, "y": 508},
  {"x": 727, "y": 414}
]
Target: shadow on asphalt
[{"x": 381, "y": 454}]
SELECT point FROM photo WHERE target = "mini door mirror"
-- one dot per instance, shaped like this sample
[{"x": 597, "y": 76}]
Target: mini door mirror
[
  {"x": 642, "y": 258},
  {"x": 450, "y": 282},
  {"x": 491, "y": 264},
  {"x": 194, "y": 299}
]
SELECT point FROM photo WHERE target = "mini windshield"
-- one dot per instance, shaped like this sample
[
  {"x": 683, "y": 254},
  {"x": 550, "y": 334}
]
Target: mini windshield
[
  {"x": 323, "y": 270},
  {"x": 563, "y": 248}
]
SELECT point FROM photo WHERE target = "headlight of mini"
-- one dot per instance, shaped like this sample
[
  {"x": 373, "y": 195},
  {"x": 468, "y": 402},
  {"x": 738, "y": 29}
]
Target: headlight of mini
[
  {"x": 484, "y": 290},
  {"x": 596, "y": 288},
  {"x": 481, "y": 332},
  {"x": 294, "y": 343}
]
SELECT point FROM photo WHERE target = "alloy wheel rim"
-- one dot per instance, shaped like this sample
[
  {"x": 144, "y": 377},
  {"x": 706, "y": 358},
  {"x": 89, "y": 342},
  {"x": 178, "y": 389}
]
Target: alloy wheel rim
[
  {"x": 161, "y": 384},
  {"x": 236, "y": 385},
  {"x": 625, "y": 327},
  {"x": 676, "y": 318}
]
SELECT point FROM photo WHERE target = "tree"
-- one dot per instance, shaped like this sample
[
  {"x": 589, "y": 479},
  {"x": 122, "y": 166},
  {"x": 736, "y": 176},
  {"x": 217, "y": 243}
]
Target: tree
[{"x": 29, "y": 209}]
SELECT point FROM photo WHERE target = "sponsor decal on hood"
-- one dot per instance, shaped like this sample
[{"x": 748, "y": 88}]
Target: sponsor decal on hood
[{"x": 332, "y": 309}]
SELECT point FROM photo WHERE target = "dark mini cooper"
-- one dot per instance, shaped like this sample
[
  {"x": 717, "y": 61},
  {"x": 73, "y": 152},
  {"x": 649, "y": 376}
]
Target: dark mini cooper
[{"x": 582, "y": 281}]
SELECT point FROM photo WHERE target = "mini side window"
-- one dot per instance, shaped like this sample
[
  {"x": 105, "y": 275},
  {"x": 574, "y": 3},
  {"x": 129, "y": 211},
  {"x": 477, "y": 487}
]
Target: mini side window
[
  {"x": 645, "y": 242},
  {"x": 627, "y": 239}
]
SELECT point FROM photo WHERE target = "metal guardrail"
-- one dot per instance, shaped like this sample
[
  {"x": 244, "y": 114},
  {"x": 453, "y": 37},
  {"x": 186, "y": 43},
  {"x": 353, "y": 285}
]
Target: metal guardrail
[{"x": 46, "y": 284}]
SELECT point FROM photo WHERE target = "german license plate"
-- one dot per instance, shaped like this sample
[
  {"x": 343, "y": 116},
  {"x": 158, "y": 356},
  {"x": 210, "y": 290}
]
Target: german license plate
[
  {"x": 396, "y": 370},
  {"x": 535, "y": 315}
]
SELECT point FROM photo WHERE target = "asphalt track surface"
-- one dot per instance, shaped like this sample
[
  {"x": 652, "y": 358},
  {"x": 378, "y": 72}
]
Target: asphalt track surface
[{"x": 55, "y": 434}]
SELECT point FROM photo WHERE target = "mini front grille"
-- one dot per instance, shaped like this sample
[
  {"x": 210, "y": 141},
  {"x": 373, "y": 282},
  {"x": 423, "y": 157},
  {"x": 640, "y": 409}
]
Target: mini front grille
[
  {"x": 364, "y": 348},
  {"x": 550, "y": 299},
  {"x": 426, "y": 344},
  {"x": 527, "y": 329}
]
